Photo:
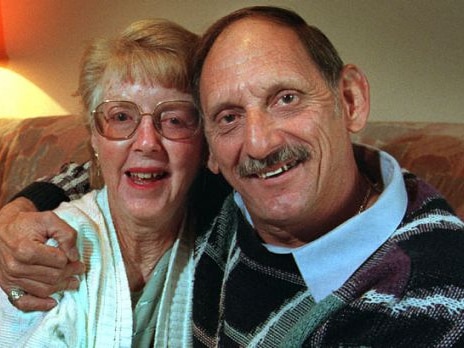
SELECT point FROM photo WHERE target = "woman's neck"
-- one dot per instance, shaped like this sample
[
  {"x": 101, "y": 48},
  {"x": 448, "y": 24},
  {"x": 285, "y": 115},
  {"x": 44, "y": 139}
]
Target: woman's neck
[{"x": 142, "y": 246}]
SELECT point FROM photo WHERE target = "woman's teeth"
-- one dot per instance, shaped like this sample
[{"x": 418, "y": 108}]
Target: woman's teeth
[{"x": 145, "y": 176}]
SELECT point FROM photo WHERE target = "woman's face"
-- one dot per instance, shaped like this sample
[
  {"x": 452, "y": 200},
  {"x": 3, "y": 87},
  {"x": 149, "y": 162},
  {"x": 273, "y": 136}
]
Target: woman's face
[{"x": 148, "y": 176}]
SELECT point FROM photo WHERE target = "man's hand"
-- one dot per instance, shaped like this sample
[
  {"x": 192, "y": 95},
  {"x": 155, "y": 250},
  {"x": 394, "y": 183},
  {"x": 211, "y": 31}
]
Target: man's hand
[{"x": 27, "y": 263}]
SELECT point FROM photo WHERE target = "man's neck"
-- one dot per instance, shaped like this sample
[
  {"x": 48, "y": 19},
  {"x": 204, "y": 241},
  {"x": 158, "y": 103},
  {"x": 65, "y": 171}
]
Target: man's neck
[{"x": 307, "y": 226}]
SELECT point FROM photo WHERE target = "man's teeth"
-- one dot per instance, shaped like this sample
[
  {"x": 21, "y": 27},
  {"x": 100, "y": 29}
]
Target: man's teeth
[{"x": 278, "y": 171}]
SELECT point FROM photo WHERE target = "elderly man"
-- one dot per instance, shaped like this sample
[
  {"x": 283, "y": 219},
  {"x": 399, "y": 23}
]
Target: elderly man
[{"x": 322, "y": 243}]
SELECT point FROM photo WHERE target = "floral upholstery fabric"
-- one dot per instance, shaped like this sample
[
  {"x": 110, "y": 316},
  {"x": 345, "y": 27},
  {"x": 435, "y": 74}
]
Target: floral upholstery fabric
[
  {"x": 432, "y": 151},
  {"x": 36, "y": 147}
]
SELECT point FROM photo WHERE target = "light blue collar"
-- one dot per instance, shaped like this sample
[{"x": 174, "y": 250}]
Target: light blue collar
[{"x": 328, "y": 262}]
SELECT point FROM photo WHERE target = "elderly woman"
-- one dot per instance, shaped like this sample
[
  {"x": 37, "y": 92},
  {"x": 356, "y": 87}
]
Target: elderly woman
[{"x": 135, "y": 234}]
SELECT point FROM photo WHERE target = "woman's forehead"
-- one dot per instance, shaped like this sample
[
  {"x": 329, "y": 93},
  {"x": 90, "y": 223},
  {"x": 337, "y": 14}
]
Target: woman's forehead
[{"x": 128, "y": 90}]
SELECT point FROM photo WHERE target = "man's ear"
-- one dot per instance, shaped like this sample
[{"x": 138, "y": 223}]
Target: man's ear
[
  {"x": 212, "y": 164},
  {"x": 354, "y": 90}
]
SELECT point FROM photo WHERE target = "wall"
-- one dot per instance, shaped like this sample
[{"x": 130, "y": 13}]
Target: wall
[{"x": 411, "y": 50}]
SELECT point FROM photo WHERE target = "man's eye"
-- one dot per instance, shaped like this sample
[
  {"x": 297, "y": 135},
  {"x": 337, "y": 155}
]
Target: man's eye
[
  {"x": 287, "y": 99},
  {"x": 227, "y": 122},
  {"x": 227, "y": 119}
]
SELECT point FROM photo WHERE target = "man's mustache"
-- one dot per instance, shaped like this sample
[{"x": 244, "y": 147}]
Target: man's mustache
[{"x": 294, "y": 153}]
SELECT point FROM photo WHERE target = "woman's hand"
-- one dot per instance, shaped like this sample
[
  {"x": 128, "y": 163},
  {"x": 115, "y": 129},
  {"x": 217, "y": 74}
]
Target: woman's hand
[{"x": 28, "y": 264}]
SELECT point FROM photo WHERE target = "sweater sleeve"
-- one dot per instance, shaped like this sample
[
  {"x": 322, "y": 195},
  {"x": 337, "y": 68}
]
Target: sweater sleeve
[{"x": 47, "y": 193}]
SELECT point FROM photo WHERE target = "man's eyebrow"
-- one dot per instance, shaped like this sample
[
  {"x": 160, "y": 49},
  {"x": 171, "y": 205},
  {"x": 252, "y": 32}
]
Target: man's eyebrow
[
  {"x": 219, "y": 107},
  {"x": 289, "y": 85}
]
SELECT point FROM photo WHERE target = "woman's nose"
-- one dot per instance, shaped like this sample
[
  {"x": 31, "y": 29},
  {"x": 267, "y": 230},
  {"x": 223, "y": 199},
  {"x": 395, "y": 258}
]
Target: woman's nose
[{"x": 147, "y": 138}]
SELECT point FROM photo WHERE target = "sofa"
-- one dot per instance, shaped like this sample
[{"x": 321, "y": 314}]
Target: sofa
[{"x": 37, "y": 147}]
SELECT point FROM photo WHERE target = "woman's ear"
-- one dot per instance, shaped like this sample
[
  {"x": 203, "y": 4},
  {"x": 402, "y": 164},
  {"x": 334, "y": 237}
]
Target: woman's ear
[
  {"x": 212, "y": 164},
  {"x": 96, "y": 178},
  {"x": 354, "y": 90}
]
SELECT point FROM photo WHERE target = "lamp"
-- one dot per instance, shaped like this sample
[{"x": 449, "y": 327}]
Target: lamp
[
  {"x": 15, "y": 88},
  {"x": 3, "y": 54}
]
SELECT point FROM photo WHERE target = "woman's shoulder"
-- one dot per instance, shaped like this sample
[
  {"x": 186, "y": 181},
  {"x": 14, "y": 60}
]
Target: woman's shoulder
[
  {"x": 86, "y": 214},
  {"x": 83, "y": 207}
]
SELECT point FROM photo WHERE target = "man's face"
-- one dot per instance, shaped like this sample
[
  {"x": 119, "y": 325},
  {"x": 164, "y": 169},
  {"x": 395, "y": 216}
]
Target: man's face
[{"x": 273, "y": 126}]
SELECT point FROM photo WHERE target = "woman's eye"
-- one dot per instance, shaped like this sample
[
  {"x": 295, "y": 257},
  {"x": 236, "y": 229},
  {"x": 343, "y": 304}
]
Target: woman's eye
[
  {"x": 120, "y": 117},
  {"x": 175, "y": 121}
]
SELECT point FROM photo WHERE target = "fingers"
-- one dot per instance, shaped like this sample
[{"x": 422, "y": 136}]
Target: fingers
[
  {"x": 64, "y": 234},
  {"x": 29, "y": 303},
  {"x": 40, "y": 301},
  {"x": 32, "y": 232},
  {"x": 23, "y": 239},
  {"x": 44, "y": 281},
  {"x": 29, "y": 250},
  {"x": 26, "y": 262}
]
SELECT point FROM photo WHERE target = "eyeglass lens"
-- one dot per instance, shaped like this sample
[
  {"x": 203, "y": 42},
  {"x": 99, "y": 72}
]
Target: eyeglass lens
[{"x": 173, "y": 119}]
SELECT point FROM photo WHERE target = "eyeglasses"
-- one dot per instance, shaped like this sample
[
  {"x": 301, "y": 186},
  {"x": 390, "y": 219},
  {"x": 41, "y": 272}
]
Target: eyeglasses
[{"x": 174, "y": 119}]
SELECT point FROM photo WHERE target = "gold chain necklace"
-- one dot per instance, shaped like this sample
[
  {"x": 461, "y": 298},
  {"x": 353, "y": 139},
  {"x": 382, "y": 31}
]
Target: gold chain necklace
[{"x": 370, "y": 186}]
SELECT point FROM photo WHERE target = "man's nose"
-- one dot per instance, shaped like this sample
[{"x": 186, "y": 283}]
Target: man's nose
[{"x": 262, "y": 135}]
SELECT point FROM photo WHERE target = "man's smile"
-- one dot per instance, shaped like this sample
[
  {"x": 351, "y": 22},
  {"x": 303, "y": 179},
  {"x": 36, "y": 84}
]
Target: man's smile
[{"x": 278, "y": 171}]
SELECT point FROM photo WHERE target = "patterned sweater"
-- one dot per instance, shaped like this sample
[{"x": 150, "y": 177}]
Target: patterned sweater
[{"x": 410, "y": 292}]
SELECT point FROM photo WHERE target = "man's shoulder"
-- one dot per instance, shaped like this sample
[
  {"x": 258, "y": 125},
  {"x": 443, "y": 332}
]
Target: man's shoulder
[
  {"x": 428, "y": 218},
  {"x": 425, "y": 202},
  {"x": 432, "y": 237},
  {"x": 223, "y": 222}
]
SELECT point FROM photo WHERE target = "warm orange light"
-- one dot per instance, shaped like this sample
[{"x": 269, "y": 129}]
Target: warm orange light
[
  {"x": 20, "y": 98},
  {"x": 3, "y": 54}
]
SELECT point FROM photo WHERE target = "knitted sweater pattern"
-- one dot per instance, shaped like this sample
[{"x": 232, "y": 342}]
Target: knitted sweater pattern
[{"x": 410, "y": 292}]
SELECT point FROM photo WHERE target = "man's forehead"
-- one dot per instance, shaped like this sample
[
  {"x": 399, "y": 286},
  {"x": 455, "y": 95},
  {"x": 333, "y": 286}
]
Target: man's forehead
[
  {"x": 255, "y": 43},
  {"x": 255, "y": 57},
  {"x": 248, "y": 33},
  {"x": 249, "y": 39}
]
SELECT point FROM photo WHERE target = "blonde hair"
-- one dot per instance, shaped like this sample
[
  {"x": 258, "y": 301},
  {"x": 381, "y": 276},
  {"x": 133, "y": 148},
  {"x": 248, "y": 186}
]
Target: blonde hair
[{"x": 150, "y": 51}]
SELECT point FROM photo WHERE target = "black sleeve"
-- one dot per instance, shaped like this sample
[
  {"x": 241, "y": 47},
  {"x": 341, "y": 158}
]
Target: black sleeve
[
  {"x": 44, "y": 195},
  {"x": 47, "y": 193}
]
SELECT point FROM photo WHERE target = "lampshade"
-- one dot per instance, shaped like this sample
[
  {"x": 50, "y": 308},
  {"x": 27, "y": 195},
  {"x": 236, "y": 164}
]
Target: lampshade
[{"x": 3, "y": 55}]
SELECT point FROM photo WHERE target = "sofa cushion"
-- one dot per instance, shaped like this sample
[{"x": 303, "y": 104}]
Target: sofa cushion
[{"x": 36, "y": 147}]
